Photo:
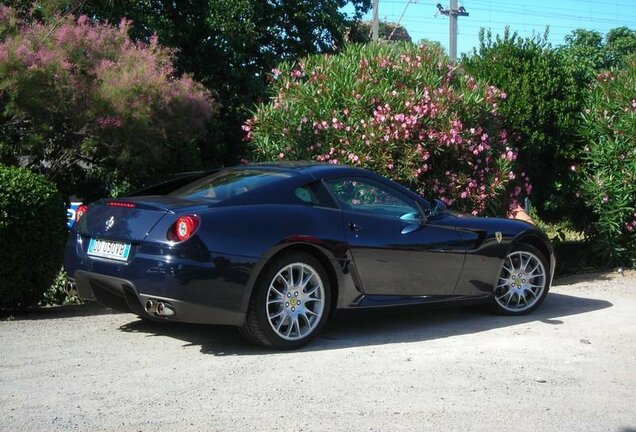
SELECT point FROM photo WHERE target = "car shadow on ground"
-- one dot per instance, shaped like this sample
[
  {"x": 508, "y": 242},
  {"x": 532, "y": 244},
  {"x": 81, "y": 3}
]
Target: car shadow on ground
[
  {"x": 56, "y": 312},
  {"x": 366, "y": 328}
]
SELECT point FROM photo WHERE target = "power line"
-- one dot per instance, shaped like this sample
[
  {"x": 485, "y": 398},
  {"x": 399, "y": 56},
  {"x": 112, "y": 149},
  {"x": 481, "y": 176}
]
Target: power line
[
  {"x": 401, "y": 16},
  {"x": 544, "y": 12},
  {"x": 477, "y": 24},
  {"x": 553, "y": 15},
  {"x": 525, "y": 9},
  {"x": 486, "y": 25},
  {"x": 597, "y": 2},
  {"x": 486, "y": 21}
]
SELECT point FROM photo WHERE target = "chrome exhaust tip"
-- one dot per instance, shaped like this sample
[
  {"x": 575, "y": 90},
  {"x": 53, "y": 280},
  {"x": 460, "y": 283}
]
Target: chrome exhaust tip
[
  {"x": 151, "y": 307},
  {"x": 164, "y": 310},
  {"x": 70, "y": 288}
]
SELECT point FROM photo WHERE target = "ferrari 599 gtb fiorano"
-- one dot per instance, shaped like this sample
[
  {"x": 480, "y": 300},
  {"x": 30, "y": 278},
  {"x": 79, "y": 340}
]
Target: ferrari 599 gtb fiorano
[{"x": 274, "y": 249}]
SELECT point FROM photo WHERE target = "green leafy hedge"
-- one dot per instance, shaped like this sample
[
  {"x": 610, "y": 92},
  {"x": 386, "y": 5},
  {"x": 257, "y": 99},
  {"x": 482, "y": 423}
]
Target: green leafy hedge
[
  {"x": 542, "y": 113},
  {"x": 608, "y": 173},
  {"x": 32, "y": 235}
]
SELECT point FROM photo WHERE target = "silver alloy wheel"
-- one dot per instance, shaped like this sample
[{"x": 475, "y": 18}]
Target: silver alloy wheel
[
  {"x": 521, "y": 283},
  {"x": 295, "y": 301}
]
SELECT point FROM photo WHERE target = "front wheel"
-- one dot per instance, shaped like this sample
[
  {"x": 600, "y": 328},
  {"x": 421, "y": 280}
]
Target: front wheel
[
  {"x": 290, "y": 303},
  {"x": 523, "y": 281}
]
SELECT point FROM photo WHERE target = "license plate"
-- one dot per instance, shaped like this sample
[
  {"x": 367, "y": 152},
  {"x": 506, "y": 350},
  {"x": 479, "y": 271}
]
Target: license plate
[{"x": 109, "y": 249}]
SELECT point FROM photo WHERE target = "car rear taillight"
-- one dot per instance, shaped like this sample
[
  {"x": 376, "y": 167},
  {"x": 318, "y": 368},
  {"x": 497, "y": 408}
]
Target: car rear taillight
[
  {"x": 183, "y": 228},
  {"x": 80, "y": 212}
]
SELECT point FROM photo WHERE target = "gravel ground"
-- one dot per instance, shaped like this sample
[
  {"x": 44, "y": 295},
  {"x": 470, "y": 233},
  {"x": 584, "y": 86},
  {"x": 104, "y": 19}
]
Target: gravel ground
[{"x": 571, "y": 366}]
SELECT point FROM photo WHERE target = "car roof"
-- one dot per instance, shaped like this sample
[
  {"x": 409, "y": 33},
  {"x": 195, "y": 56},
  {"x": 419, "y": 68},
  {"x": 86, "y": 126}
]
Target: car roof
[{"x": 315, "y": 169}]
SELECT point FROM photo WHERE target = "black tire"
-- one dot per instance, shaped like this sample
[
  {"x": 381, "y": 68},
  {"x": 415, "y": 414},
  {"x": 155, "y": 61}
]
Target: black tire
[
  {"x": 497, "y": 306},
  {"x": 257, "y": 327}
]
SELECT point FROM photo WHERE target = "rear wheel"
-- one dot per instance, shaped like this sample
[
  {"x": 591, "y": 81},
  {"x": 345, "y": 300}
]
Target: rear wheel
[
  {"x": 523, "y": 281},
  {"x": 290, "y": 303}
]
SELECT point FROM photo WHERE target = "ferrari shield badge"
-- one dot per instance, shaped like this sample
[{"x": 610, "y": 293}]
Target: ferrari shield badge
[{"x": 498, "y": 236}]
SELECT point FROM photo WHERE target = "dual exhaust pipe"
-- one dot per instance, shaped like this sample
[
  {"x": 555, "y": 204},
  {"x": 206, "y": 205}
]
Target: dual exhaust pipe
[
  {"x": 159, "y": 308},
  {"x": 152, "y": 307}
]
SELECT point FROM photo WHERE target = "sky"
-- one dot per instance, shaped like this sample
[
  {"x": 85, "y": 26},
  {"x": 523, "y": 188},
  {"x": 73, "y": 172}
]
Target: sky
[{"x": 422, "y": 21}]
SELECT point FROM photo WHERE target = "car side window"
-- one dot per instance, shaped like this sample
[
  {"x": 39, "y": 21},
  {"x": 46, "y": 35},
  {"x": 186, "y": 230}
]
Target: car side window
[
  {"x": 315, "y": 194},
  {"x": 371, "y": 197},
  {"x": 305, "y": 194}
]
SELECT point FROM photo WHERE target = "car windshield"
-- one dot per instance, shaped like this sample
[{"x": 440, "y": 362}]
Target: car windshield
[{"x": 227, "y": 184}]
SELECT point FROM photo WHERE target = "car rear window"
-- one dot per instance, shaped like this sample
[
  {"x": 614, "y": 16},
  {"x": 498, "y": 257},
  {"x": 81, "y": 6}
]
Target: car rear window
[{"x": 228, "y": 184}]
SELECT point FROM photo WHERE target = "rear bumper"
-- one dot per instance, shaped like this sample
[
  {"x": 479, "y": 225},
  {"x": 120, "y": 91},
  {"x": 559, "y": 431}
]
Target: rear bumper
[
  {"x": 200, "y": 286},
  {"x": 123, "y": 295}
]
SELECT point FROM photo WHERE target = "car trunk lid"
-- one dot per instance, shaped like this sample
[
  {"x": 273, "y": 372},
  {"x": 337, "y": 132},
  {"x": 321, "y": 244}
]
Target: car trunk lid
[{"x": 129, "y": 219}]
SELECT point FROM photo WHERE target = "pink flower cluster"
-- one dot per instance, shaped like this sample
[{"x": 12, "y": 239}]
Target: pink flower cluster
[
  {"x": 247, "y": 128},
  {"x": 109, "y": 121},
  {"x": 605, "y": 76},
  {"x": 631, "y": 226}
]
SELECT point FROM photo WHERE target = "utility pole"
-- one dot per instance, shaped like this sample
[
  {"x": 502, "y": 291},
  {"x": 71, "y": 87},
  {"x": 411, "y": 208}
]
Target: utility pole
[
  {"x": 375, "y": 28},
  {"x": 452, "y": 13}
]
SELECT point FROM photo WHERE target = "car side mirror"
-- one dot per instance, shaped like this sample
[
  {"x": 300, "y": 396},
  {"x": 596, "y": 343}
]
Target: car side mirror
[
  {"x": 414, "y": 218},
  {"x": 413, "y": 222}
]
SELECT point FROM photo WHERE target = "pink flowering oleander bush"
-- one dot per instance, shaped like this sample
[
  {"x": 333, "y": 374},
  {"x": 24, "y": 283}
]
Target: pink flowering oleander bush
[
  {"x": 88, "y": 107},
  {"x": 400, "y": 110},
  {"x": 608, "y": 172}
]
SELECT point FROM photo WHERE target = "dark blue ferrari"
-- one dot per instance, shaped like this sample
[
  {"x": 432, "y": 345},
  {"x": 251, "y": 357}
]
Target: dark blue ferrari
[{"x": 273, "y": 249}]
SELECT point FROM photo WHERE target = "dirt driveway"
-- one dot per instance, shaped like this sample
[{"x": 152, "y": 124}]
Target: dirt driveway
[{"x": 571, "y": 366}]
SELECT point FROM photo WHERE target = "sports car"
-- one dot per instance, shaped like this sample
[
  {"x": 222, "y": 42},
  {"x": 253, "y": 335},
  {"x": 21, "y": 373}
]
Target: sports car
[{"x": 274, "y": 249}]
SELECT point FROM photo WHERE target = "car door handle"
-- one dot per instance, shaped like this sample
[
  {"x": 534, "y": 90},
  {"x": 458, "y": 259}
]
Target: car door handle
[{"x": 354, "y": 227}]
